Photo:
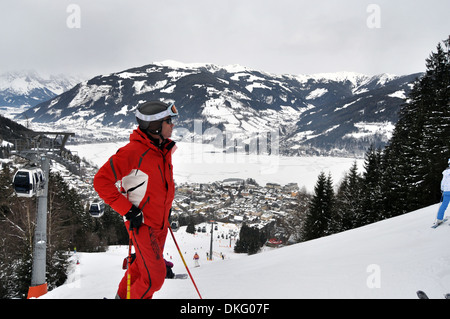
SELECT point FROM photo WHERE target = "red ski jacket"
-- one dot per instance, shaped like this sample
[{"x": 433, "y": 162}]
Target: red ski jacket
[{"x": 146, "y": 176}]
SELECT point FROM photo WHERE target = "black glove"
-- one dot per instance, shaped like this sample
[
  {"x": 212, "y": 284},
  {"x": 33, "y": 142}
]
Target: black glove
[{"x": 135, "y": 217}]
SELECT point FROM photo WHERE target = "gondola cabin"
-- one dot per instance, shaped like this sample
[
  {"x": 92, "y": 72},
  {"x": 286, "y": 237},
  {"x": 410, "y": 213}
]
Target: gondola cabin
[
  {"x": 28, "y": 182},
  {"x": 97, "y": 208}
]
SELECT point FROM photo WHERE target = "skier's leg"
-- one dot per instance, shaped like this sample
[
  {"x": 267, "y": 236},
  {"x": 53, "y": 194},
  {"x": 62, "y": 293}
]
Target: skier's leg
[
  {"x": 149, "y": 261},
  {"x": 122, "y": 291},
  {"x": 443, "y": 207}
]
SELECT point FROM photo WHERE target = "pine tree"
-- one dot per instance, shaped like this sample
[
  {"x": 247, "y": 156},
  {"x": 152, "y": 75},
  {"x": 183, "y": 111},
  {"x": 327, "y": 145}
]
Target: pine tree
[
  {"x": 371, "y": 189},
  {"x": 190, "y": 227},
  {"x": 348, "y": 201},
  {"x": 420, "y": 146},
  {"x": 249, "y": 240},
  {"x": 437, "y": 124},
  {"x": 320, "y": 213}
]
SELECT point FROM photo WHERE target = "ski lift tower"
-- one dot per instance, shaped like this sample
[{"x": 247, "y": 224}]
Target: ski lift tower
[
  {"x": 38, "y": 275},
  {"x": 211, "y": 243},
  {"x": 38, "y": 279}
]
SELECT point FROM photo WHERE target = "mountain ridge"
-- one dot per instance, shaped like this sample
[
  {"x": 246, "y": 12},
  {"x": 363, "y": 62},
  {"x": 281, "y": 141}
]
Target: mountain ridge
[
  {"x": 29, "y": 88},
  {"x": 312, "y": 113}
]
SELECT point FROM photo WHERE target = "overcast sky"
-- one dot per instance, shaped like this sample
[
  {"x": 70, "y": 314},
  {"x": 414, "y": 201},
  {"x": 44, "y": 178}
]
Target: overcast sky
[{"x": 278, "y": 36}]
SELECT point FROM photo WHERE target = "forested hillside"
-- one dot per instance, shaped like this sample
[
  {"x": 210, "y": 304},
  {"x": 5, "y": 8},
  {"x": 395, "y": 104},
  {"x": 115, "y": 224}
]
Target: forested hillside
[{"x": 404, "y": 176}]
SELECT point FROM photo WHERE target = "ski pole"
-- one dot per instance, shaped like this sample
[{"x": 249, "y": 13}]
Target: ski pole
[
  {"x": 181, "y": 255},
  {"x": 128, "y": 267}
]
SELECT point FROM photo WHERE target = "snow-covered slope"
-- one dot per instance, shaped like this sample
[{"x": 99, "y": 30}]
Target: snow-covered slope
[{"x": 389, "y": 259}]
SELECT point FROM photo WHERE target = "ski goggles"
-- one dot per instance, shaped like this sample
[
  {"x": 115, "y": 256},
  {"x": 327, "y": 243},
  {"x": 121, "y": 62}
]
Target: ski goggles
[
  {"x": 169, "y": 120},
  {"x": 170, "y": 111}
]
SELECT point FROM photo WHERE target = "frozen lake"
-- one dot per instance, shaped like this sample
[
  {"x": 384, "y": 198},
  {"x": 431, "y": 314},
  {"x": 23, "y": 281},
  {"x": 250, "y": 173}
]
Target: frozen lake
[{"x": 201, "y": 163}]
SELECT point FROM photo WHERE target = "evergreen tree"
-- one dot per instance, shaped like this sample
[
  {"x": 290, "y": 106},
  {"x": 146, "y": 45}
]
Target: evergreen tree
[
  {"x": 437, "y": 124},
  {"x": 320, "y": 213},
  {"x": 249, "y": 240},
  {"x": 190, "y": 227},
  {"x": 113, "y": 230},
  {"x": 348, "y": 202},
  {"x": 371, "y": 190},
  {"x": 420, "y": 145}
]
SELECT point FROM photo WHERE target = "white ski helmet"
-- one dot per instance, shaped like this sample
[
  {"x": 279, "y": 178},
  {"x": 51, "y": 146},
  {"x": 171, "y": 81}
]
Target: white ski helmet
[{"x": 150, "y": 115}]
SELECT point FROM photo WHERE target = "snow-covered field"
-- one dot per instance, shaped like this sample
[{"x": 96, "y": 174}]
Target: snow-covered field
[
  {"x": 389, "y": 259},
  {"x": 202, "y": 163}
]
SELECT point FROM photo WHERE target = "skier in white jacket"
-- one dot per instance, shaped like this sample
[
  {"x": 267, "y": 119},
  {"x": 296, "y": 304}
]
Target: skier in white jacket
[{"x": 445, "y": 188}]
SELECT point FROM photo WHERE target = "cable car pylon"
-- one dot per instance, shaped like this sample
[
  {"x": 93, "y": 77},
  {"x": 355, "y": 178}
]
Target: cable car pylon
[{"x": 38, "y": 274}]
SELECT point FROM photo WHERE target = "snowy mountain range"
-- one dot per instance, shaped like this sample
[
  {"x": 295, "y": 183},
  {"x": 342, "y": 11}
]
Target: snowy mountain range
[
  {"x": 28, "y": 88},
  {"x": 344, "y": 111}
]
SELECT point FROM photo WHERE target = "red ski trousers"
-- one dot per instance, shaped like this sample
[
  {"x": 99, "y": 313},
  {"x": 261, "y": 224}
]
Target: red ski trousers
[{"x": 148, "y": 270}]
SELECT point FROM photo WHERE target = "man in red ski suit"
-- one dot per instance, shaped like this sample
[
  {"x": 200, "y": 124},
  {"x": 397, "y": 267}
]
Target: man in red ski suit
[{"x": 144, "y": 168}]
